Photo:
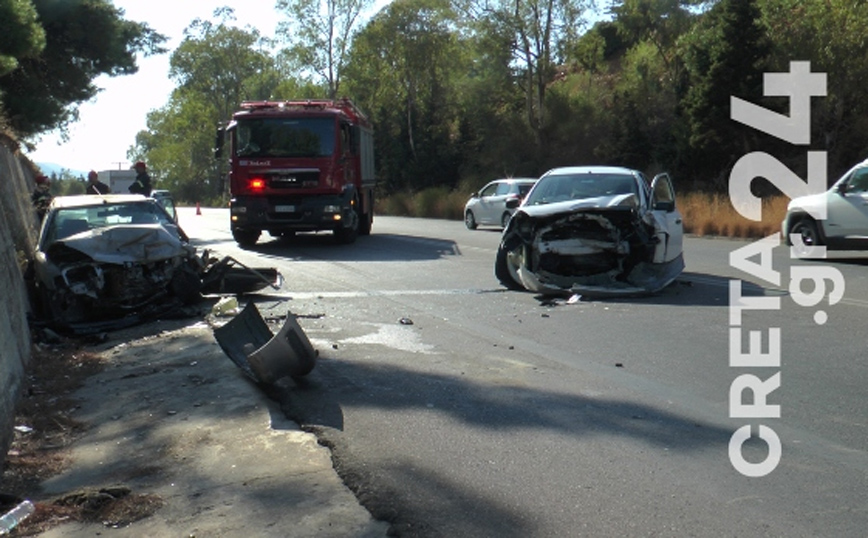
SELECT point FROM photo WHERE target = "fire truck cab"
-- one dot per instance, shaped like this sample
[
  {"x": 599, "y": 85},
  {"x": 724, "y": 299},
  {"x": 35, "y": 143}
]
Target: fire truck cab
[{"x": 299, "y": 166}]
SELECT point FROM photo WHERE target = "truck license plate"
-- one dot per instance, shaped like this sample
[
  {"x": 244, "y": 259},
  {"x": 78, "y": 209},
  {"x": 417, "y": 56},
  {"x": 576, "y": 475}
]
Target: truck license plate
[{"x": 284, "y": 208}]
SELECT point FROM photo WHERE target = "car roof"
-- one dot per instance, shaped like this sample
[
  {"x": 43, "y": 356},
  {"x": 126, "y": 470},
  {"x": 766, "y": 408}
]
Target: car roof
[
  {"x": 591, "y": 170},
  {"x": 86, "y": 200}
]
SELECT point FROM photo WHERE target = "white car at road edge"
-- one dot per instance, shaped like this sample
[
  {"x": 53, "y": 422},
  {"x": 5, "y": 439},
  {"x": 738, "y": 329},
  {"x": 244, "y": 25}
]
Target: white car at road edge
[{"x": 846, "y": 224}]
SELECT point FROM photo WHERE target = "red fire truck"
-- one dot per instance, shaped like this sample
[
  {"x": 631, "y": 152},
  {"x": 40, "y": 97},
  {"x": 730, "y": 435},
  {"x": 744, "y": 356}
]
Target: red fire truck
[{"x": 298, "y": 166}]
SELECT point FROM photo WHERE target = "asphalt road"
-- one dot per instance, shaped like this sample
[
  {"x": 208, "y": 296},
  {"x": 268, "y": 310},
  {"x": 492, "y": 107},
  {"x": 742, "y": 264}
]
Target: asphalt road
[{"x": 498, "y": 414}]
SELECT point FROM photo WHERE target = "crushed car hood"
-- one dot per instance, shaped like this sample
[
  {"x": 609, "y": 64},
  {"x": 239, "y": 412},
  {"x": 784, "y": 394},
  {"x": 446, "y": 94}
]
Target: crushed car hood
[
  {"x": 141, "y": 243},
  {"x": 571, "y": 206}
]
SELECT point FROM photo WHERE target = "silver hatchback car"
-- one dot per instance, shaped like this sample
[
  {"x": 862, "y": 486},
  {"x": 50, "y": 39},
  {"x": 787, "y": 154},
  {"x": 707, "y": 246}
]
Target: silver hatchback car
[{"x": 488, "y": 206}]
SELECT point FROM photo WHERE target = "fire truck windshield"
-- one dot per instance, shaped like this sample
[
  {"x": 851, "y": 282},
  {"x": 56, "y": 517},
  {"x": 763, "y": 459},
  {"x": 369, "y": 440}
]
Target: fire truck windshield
[{"x": 285, "y": 137}]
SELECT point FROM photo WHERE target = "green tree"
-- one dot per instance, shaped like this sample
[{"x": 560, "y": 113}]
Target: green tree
[
  {"x": 831, "y": 34},
  {"x": 217, "y": 66},
  {"x": 725, "y": 55},
  {"x": 290, "y": 85},
  {"x": 494, "y": 136},
  {"x": 178, "y": 148},
  {"x": 542, "y": 32},
  {"x": 319, "y": 35},
  {"x": 21, "y": 35},
  {"x": 658, "y": 22},
  {"x": 404, "y": 69},
  {"x": 222, "y": 63},
  {"x": 83, "y": 39},
  {"x": 643, "y": 115}
]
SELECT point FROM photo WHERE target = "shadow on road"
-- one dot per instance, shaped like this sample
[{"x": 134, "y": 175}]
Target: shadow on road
[
  {"x": 373, "y": 248},
  {"x": 318, "y": 403}
]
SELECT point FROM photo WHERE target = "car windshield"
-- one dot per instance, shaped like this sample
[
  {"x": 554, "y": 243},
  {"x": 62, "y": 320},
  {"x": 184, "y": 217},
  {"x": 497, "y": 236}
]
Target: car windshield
[
  {"x": 563, "y": 187},
  {"x": 285, "y": 137},
  {"x": 66, "y": 222}
]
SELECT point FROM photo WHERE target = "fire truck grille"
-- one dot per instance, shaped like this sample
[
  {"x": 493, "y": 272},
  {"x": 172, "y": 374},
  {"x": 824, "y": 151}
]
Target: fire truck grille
[{"x": 294, "y": 180}]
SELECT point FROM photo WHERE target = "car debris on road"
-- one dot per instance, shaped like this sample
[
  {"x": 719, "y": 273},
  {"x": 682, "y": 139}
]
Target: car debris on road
[{"x": 263, "y": 356}]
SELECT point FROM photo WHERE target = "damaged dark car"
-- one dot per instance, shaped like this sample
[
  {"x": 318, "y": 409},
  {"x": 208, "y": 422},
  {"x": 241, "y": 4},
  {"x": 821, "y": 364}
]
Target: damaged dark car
[
  {"x": 105, "y": 262},
  {"x": 593, "y": 231}
]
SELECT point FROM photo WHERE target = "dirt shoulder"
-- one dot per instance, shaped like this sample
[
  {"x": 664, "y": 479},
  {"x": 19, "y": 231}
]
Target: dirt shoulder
[{"x": 155, "y": 432}]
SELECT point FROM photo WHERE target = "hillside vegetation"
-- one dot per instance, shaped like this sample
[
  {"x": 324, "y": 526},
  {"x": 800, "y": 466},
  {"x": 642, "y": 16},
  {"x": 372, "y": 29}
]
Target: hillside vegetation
[{"x": 463, "y": 91}]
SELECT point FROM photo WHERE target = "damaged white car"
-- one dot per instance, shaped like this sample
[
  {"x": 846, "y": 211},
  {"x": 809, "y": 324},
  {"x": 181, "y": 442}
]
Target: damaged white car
[
  {"x": 594, "y": 231},
  {"x": 109, "y": 261}
]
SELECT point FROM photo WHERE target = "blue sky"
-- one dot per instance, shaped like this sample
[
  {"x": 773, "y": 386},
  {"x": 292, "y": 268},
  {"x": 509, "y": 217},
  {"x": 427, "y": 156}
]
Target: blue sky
[{"x": 109, "y": 123}]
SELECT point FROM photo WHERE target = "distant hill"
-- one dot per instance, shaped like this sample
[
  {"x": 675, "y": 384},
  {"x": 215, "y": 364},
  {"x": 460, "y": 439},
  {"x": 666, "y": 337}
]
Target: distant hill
[{"x": 50, "y": 169}]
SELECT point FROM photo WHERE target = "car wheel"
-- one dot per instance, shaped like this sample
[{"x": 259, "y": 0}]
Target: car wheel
[
  {"x": 505, "y": 271},
  {"x": 807, "y": 227},
  {"x": 245, "y": 238},
  {"x": 469, "y": 220},
  {"x": 504, "y": 220}
]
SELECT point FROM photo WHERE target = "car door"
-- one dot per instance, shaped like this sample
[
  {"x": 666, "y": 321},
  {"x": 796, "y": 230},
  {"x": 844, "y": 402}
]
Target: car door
[
  {"x": 847, "y": 206},
  {"x": 667, "y": 218},
  {"x": 487, "y": 204}
]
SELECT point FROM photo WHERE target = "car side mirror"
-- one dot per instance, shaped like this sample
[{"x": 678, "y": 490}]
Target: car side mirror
[
  {"x": 841, "y": 189},
  {"x": 512, "y": 203}
]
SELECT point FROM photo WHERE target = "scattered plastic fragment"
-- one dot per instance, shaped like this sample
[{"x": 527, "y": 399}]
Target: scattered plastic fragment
[
  {"x": 263, "y": 356},
  {"x": 227, "y": 306}
]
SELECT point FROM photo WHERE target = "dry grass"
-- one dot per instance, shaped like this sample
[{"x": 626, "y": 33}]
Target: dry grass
[
  {"x": 46, "y": 408},
  {"x": 704, "y": 214},
  {"x": 713, "y": 215}
]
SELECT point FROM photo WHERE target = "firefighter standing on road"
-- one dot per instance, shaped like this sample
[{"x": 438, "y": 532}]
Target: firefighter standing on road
[
  {"x": 142, "y": 184},
  {"x": 41, "y": 196},
  {"x": 94, "y": 185}
]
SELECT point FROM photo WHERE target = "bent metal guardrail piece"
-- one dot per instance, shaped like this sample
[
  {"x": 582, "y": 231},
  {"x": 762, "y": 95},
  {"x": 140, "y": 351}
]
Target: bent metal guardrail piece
[{"x": 265, "y": 357}]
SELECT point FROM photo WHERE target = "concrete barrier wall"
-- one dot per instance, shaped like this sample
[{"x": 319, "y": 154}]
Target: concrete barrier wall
[{"x": 17, "y": 236}]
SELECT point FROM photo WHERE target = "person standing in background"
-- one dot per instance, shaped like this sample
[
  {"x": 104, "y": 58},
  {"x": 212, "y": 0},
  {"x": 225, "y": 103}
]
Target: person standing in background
[
  {"x": 41, "y": 196},
  {"x": 142, "y": 184},
  {"x": 94, "y": 185}
]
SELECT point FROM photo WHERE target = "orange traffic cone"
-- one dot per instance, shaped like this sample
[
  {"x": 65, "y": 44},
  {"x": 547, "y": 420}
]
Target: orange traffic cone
[{"x": 198, "y": 209}]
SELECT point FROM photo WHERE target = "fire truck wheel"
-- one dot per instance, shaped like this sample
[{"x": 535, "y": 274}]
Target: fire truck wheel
[
  {"x": 246, "y": 238},
  {"x": 349, "y": 234},
  {"x": 365, "y": 224}
]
